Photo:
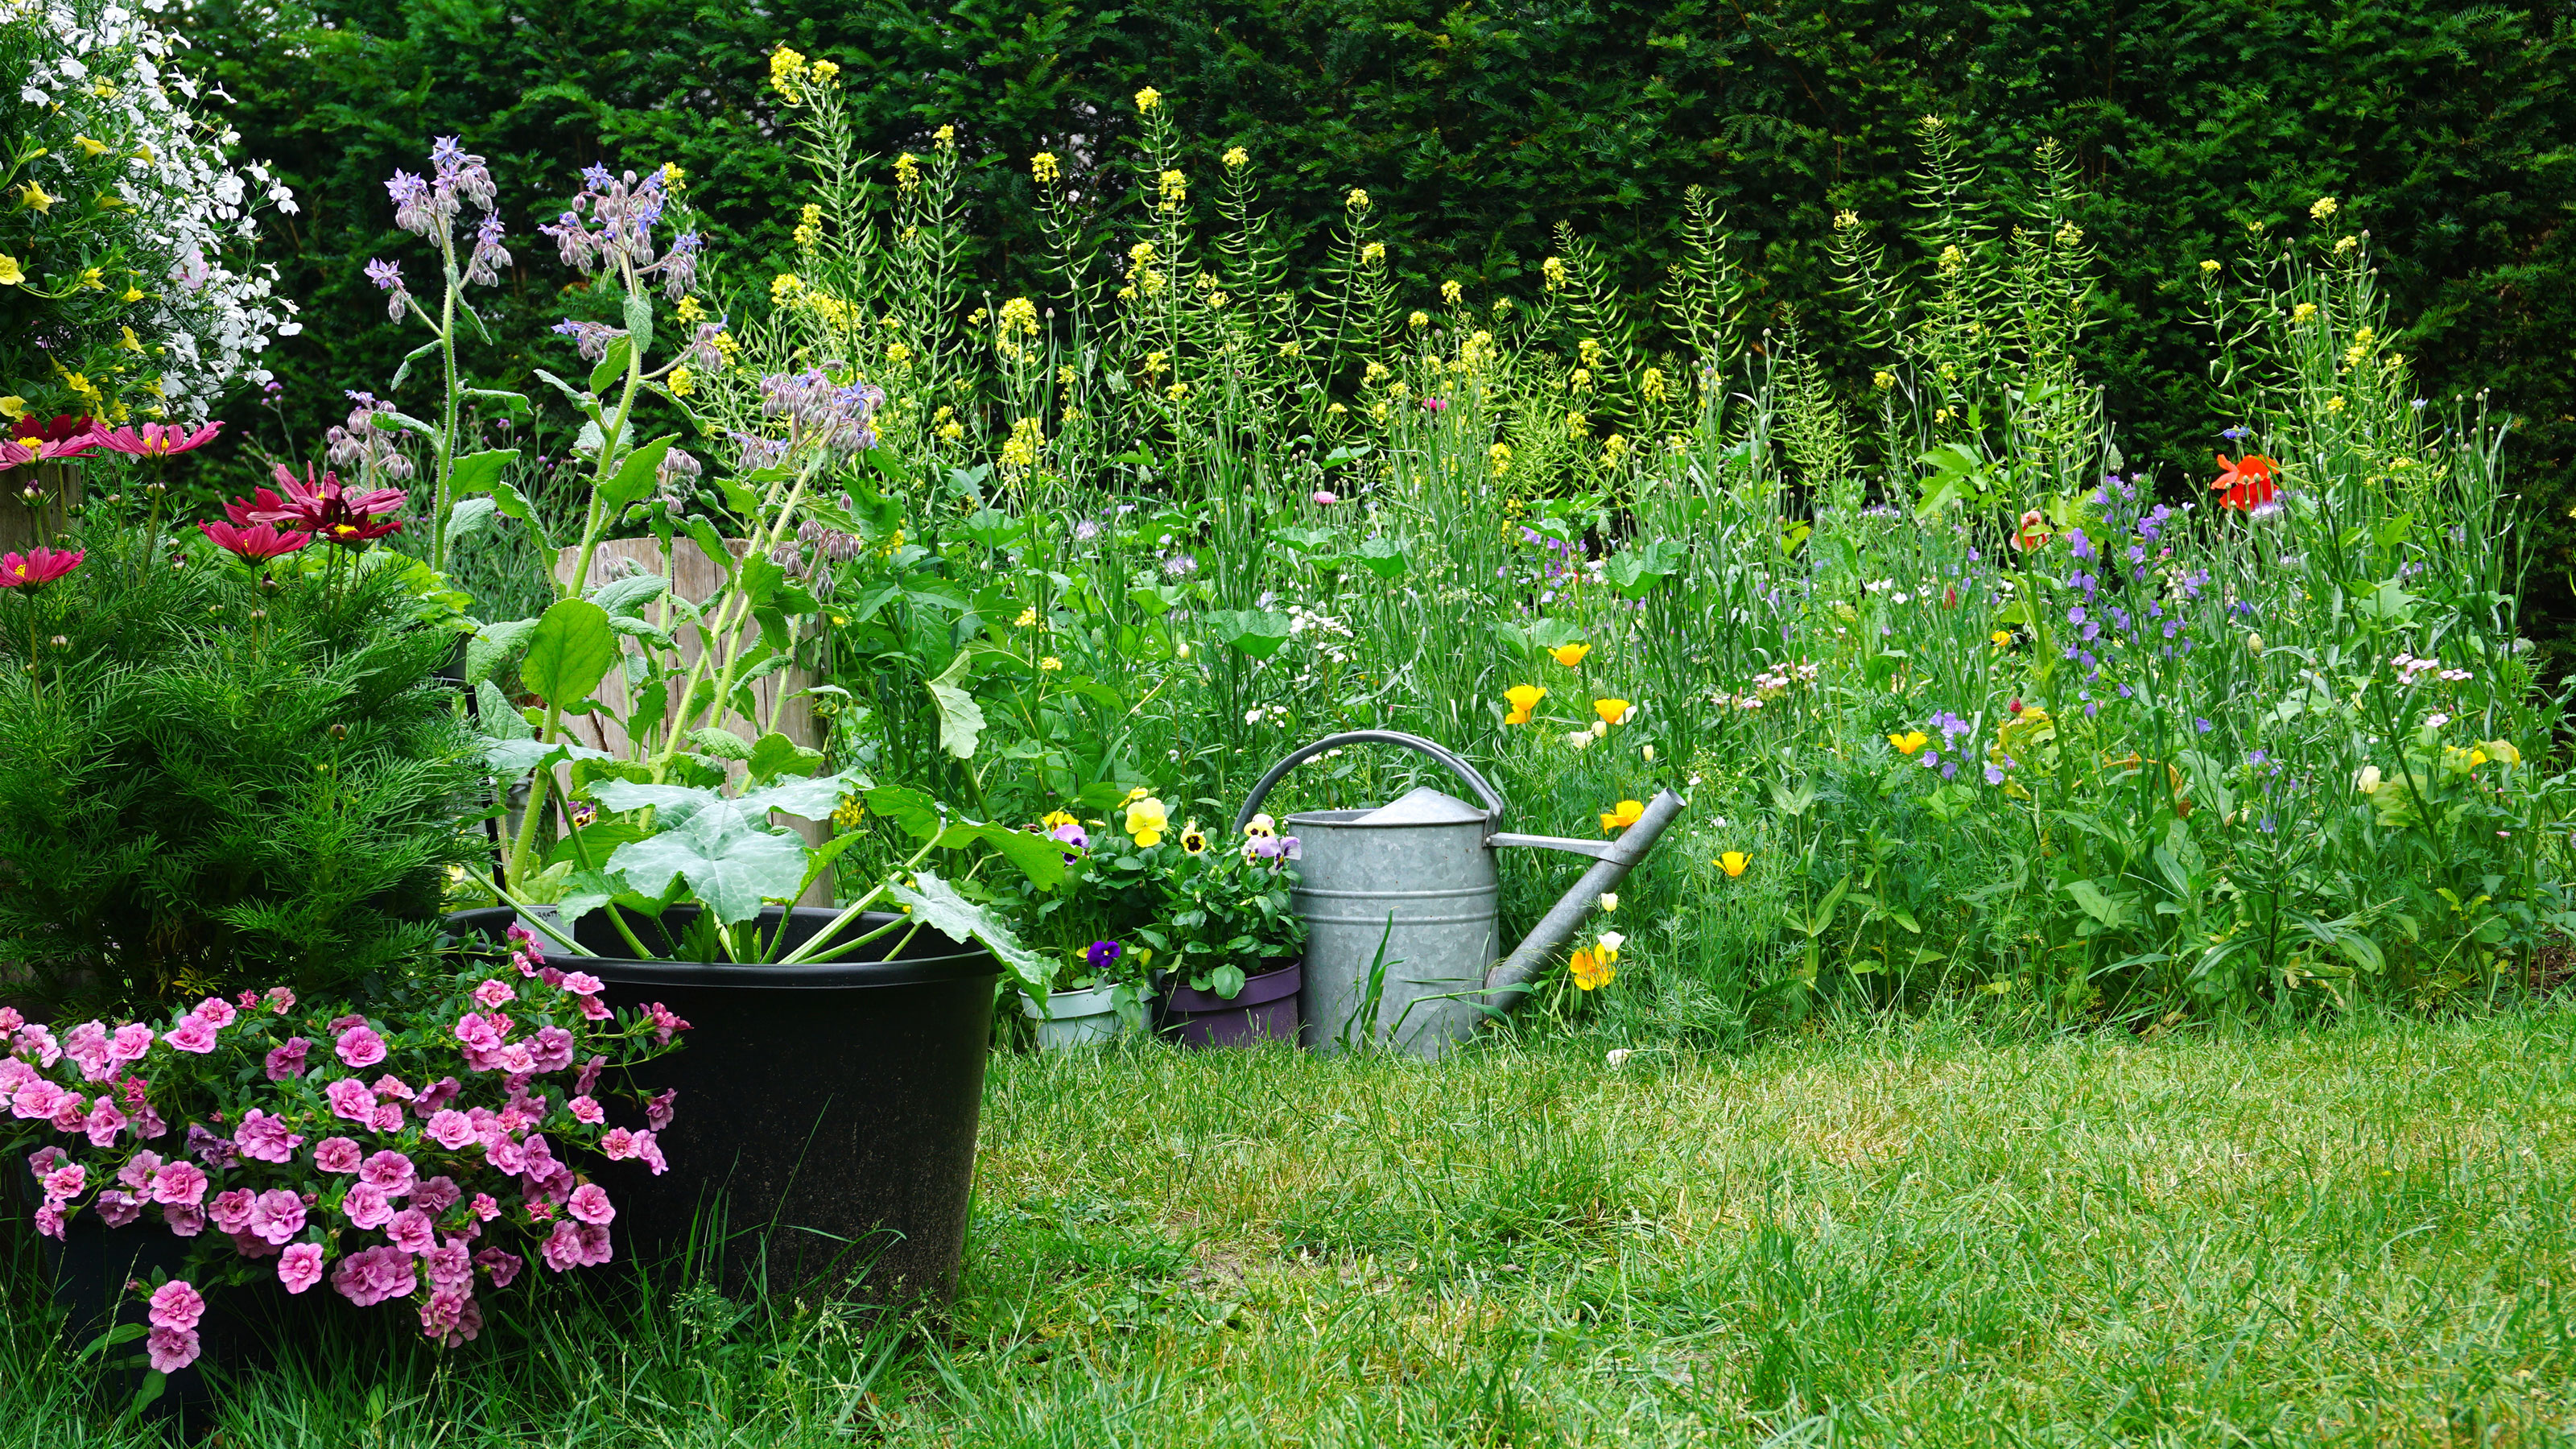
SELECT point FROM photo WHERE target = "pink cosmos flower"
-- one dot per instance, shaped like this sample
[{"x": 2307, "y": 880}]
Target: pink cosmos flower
[
  {"x": 657, "y": 1108},
  {"x": 589, "y": 1203},
  {"x": 153, "y": 440},
  {"x": 180, "y": 1184},
  {"x": 171, "y": 1349},
  {"x": 276, "y": 1216},
  {"x": 322, "y": 507},
  {"x": 495, "y": 992},
  {"x": 300, "y": 1267},
  {"x": 263, "y": 1137},
  {"x": 131, "y": 1042},
  {"x": 369, "y": 1277},
  {"x": 117, "y": 1207},
  {"x": 451, "y": 1129},
  {"x": 256, "y": 543},
  {"x": 177, "y": 1305},
  {"x": 389, "y": 1171},
  {"x": 36, "y": 568},
  {"x": 192, "y": 1034},
  {"x": 503, "y": 1267},
  {"x": 350, "y": 1098},
  {"x": 230, "y": 1211},
  {"x": 184, "y": 1222},
  {"x": 584, "y": 1109},
  {"x": 336, "y": 1154},
  {"x": 214, "y": 1011},
  {"x": 288, "y": 1060},
  {"x": 361, "y": 1047},
  {"x": 366, "y": 1206},
  {"x": 411, "y": 1231}
]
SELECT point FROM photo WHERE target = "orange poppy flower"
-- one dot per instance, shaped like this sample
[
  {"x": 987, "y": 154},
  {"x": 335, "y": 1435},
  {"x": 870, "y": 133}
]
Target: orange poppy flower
[{"x": 2246, "y": 483}]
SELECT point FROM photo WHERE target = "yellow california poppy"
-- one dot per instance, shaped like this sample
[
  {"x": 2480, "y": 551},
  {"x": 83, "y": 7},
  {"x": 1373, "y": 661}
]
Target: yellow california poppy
[
  {"x": 1591, "y": 972},
  {"x": 1147, "y": 820},
  {"x": 1524, "y": 698},
  {"x": 1570, "y": 655},
  {"x": 1910, "y": 741},
  {"x": 1733, "y": 863},
  {"x": 1613, "y": 711},
  {"x": 1622, "y": 815}
]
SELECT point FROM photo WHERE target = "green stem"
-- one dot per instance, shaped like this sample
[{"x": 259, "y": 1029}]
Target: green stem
[
  {"x": 813, "y": 947},
  {"x": 528, "y": 914},
  {"x": 444, "y": 497}
]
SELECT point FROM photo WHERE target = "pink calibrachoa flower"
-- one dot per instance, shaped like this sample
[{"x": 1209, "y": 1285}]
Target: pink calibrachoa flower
[
  {"x": 184, "y": 1222},
  {"x": 575, "y": 1245},
  {"x": 117, "y": 1207},
  {"x": 582, "y": 983},
  {"x": 618, "y": 1145},
  {"x": 452, "y": 1129},
  {"x": 138, "y": 1169},
  {"x": 104, "y": 1123},
  {"x": 495, "y": 992},
  {"x": 350, "y": 1099},
  {"x": 584, "y": 1109},
  {"x": 86, "y": 1045},
  {"x": 392, "y": 1088},
  {"x": 372, "y": 1275},
  {"x": 361, "y": 1047},
  {"x": 449, "y": 1267},
  {"x": 264, "y": 1138},
  {"x": 504, "y": 1267},
  {"x": 179, "y": 1184},
  {"x": 177, "y": 1305},
  {"x": 276, "y": 1216},
  {"x": 171, "y": 1349},
  {"x": 658, "y": 1108},
  {"x": 411, "y": 1231},
  {"x": 435, "y": 1195},
  {"x": 131, "y": 1042},
  {"x": 336, "y": 1154},
  {"x": 192, "y": 1034},
  {"x": 451, "y": 1318},
  {"x": 300, "y": 1267},
  {"x": 478, "y": 1032},
  {"x": 589, "y": 1203},
  {"x": 280, "y": 999},
  {"x": 485, "y": 1206},
  {"x": 366, "y": 1206},
  {"x": 65, "y": 1183},
  {"x": 389, "y": 1171},
  {"x": 230, "y": 1211},
  {"x": 285, "y": 1062},
  {"x": 49, "y": 1220},
  {"x": 216, "y": 1012}
]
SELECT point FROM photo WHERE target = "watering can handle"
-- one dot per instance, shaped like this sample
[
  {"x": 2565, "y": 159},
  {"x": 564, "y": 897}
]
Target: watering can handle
[{"x": 1492, "y": 797}]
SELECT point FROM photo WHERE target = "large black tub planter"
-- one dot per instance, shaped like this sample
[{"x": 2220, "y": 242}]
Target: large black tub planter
[{"x": 825, "y": 1124}]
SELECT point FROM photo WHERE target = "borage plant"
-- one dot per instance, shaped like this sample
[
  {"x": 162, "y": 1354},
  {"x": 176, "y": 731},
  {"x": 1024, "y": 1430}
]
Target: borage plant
[{"x": 401, "y": 1155}]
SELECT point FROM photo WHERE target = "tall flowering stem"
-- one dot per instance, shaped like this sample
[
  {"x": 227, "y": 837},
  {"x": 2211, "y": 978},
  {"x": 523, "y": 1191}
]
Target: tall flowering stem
[{"x": 431, "y": 207}]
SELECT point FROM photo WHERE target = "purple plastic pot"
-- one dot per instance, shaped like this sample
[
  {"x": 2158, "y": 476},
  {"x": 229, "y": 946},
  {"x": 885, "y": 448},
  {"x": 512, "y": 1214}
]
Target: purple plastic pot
[{"x": 1264, "y": 1010}]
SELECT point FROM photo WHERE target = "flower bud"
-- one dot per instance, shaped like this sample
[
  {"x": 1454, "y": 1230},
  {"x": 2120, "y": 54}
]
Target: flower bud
[{"x": 2254, "y": 644}]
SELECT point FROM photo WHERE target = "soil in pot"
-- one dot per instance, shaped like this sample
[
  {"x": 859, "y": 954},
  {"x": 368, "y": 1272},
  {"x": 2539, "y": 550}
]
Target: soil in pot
[
  {"x": 826, "y": 1112},
  {"x": 1264, "y": 1010}
]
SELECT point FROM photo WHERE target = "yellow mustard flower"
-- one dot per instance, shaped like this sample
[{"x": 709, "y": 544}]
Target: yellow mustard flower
[
  {"x": 1236, "y": 158},
  {"x": 1148, "y": 98},
  {"x": 1043, "y": 167}
]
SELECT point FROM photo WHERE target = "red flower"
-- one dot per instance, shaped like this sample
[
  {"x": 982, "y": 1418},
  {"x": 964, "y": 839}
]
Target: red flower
[
  {"x": 17, "y": 452},
  {"x": 154, "y": 440},
  {"x": 2247, "y": 482},
  {"x": 254, "y": 544},
  {"x": 242, "y": 510},
  {"x": 2034, "y": 531},
  {"x": 324, "y": 507},
  {"x": 61, "y": 430},
  {"x": 36, "y": 568}
]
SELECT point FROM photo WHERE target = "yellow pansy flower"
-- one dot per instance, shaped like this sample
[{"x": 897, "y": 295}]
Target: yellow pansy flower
[{"x": 1147, "y": 820}]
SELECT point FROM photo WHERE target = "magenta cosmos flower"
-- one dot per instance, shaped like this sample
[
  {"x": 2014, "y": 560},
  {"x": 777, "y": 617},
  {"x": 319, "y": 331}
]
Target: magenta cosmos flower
[
  {"x": 37, "y": 567},
  {"x": 153, "y": 440},
  {"x": 255, "y": 544},
  {"x": 322, "y": 507}
]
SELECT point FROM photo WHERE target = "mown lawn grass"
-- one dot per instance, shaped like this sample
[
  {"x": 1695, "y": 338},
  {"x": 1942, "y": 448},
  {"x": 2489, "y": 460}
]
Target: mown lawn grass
[{"x": 2360, "y": 1234}]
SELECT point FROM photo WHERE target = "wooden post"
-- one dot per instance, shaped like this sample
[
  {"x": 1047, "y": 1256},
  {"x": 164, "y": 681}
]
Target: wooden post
[
  {"x": 780, "y": 697},
  {"x": 42, "y": 526}
]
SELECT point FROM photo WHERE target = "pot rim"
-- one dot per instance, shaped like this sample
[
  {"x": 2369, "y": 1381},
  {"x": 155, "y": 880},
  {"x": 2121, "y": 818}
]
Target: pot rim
[
  {"x": 1259, "y": 989},
  {"x": 969, "y": 962}
]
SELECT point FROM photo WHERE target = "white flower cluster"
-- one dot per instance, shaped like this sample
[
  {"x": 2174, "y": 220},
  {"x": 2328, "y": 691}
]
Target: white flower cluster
[{"x": 216, "y": 311}]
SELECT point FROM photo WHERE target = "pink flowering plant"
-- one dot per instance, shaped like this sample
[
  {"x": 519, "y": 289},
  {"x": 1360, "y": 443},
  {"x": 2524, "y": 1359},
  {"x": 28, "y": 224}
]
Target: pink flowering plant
[{"x": 419, "y": 1156}]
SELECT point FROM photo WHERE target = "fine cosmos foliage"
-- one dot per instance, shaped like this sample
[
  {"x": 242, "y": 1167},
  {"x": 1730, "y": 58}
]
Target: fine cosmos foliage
[{"x": 205, "y": 785}]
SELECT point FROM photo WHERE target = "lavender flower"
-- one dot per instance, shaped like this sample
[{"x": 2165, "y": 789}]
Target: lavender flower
[{"x": 488, "y": 258}]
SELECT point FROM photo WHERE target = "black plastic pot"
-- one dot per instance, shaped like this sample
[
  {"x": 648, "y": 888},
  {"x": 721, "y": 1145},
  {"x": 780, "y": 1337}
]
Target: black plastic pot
[{"x": 826, "y": 1113}]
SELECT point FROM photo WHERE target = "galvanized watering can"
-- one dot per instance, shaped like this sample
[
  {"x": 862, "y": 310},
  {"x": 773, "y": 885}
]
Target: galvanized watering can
[{"x": 1399, "y": 903}]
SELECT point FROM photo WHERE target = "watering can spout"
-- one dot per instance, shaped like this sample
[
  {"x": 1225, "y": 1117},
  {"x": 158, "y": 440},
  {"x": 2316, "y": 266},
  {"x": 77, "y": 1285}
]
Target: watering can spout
[{"x": 1510, "y": 980}]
